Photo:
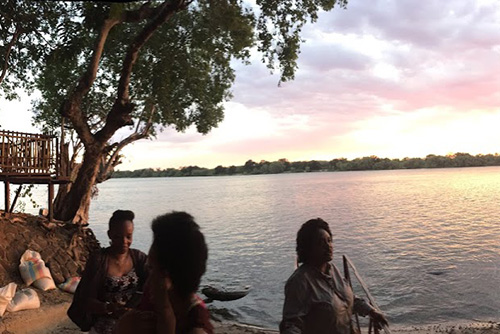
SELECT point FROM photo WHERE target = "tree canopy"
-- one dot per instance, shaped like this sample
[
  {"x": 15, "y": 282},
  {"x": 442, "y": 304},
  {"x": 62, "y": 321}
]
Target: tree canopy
[
  {"x": 184, "y": 69},
  {"x": 105, "y": 66},
  {"x": 25, "y": 28}
]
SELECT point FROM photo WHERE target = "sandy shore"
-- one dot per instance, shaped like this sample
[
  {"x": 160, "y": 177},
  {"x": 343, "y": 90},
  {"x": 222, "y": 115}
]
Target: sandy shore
[
  {"x": 67, "y": 327},
  {"x": 451, "y": 328},
  {"x": 51, "y": 319}
]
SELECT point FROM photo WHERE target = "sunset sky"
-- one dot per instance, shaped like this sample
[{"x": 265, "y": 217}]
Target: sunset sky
[{"x": 392, "y": 78}]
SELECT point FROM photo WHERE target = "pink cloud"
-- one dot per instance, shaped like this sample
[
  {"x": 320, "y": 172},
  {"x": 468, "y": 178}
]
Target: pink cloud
[
  {"x": 294, "y": 141},
  {"x": 442, "y": 51}
]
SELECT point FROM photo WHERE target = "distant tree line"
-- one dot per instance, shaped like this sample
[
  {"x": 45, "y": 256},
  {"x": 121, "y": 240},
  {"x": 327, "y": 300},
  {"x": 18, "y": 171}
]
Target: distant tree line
[{"x": 284, "y": 166}]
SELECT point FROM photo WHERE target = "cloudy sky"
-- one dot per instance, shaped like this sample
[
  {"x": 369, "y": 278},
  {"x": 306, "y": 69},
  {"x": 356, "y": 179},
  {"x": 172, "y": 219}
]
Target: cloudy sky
[{"x": 392, "y": 78}]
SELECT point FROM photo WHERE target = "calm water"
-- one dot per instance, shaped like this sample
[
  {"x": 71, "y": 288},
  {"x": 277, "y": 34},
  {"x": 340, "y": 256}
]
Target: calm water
[{"x": 426, "y": 241}]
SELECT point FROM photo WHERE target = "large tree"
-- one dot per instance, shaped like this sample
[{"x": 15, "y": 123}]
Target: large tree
[{"x": 106, "y": 66}]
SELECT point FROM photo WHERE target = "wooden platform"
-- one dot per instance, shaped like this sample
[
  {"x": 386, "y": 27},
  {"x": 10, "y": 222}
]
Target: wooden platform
[{"x": 28, "y": 158}]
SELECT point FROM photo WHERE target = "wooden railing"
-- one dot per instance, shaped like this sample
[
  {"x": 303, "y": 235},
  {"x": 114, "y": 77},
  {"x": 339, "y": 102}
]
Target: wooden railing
[
  {"x": 28, "y": 154},
  {"x": 27, "y": 158}
]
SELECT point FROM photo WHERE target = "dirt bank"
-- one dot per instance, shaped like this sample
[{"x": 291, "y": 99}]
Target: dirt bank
[{"x": 63, "y": 247}]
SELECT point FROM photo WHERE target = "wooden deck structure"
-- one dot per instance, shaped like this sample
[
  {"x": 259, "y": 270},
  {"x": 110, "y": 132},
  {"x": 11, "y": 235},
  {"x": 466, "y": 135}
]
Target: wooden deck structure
[{"x": 27, "y": 158}]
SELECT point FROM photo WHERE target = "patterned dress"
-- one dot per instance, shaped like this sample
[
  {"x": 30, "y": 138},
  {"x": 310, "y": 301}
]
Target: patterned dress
[{"x": 118, "y": 289}]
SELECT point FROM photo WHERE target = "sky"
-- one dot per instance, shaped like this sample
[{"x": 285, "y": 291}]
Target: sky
[{"x": 391, "y": 78}]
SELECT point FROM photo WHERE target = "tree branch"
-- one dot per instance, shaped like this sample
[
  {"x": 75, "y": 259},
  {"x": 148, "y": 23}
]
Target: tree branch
[
  {"x": 77, "y": 148},
  {"x": 7, "y": 52},
  {"x": 144, "y": 12},
  {"x": 131, "y": 57},
  {"x": 112, "y": 161},
  {"x": 71, "y": 106},
  {"x": 122, "y": 108}
]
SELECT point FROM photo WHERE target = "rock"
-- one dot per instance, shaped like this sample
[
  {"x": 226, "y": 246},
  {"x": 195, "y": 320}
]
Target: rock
[
  {"x": 55, "y": 271},
  {"x": 49, "y": 250},
  {"x": 42, "y": 242},
  {"x": 66, "y": 273},
  {"x": 71, "y": 266},
  {"x": 44, "y": 212},
  {"x": 60, "y": 258}
]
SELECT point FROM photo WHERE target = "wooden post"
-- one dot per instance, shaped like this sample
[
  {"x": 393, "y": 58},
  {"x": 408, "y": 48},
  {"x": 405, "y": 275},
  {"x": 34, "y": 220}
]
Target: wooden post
[
  {"x": 18, "y": 191},
  {"x": 347, "y": 276},
  {"x": 57, "y": 149},
  {"x": 348, "y": 262},
  {"x": 51, "y": 201},
  {"x": 60, "y": 149},
  {"x": 3, "y": 155},
  {"x": 7, "y": 195}
]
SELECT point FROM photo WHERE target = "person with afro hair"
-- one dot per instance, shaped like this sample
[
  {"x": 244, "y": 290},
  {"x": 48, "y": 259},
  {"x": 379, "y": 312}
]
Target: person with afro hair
[{"x": 177, "y": 260}]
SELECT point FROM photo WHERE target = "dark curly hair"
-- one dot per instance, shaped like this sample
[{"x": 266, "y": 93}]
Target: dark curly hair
[
  {"x": 120, "y": 216},
  {"x": 306, "y": 237},
  {"x": 180, "y": 250}
]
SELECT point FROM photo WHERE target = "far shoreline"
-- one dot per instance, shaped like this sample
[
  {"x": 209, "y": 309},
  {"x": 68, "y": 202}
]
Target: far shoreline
[{"x": 141, "y": 176}]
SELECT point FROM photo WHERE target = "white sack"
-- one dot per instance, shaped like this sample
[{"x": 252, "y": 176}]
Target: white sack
[
  {"x": 70, "y": 284},
  {"x": 45, "y": 283},
  {"x": 25, "y": 299},
  {"x": 6, "y": 294},
  {"x": 33, "y": 271}
]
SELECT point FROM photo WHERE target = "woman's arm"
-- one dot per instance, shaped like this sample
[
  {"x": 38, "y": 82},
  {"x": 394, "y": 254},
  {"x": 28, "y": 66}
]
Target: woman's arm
[
  {"x": 295, "y": 308},
  {"x": 137, "y": 321},
  {"x": 160, "y": 320},
  {"x": 166, "y": 321},
  {"x": 89, "y": 284},
  {"x": 362, "y": 308}
]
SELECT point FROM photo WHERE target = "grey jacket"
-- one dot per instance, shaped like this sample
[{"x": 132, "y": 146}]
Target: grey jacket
[{"x": 318, "y": 303}]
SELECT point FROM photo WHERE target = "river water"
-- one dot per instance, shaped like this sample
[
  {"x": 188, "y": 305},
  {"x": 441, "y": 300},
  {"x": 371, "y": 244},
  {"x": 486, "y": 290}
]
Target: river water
[{"x": 427, "y": 242}]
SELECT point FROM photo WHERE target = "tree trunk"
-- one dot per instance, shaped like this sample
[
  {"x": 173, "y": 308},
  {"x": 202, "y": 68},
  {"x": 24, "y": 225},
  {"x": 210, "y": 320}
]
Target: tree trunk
[
  {"x": 68, "y": 169},
  {"x": 59, "y": 201},
  {"x": 75, "y": 205}
]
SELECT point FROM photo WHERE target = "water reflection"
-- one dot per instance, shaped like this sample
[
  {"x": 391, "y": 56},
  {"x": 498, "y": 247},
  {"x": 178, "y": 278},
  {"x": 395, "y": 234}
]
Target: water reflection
[{"x": 426, "y": 241}]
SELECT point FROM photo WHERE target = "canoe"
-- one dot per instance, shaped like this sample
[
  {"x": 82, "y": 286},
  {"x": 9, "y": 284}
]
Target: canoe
[{"x": 224, "y": 295}]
